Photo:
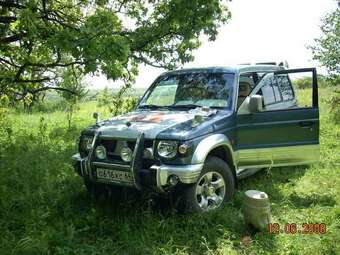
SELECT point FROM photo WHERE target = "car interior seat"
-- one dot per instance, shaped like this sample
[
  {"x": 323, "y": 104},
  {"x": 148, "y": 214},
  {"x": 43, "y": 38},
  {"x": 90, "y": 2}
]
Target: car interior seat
[{"x": 246, "y": 84}]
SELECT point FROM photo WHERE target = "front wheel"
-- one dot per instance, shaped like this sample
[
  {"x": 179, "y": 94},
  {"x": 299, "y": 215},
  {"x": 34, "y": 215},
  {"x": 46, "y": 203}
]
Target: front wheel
[{"x": 215, "y": 185}]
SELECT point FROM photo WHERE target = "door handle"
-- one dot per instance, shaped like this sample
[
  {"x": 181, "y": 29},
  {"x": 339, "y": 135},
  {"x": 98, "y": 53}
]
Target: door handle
[{"x": 306, "y": 124}]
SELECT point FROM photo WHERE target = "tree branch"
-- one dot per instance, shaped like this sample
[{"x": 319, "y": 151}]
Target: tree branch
[
  {"x": 8, "y": 62},
  {"x": 55, "y": 64},
  {"x": 51, "y": 88},
  {"x": 11, "y": 3},
  {"x": 148, "y": 62},
  {"x": 33, "y": 80},
  {"x": 7, "y": 19},
  {"x": 12, "y": 38}
]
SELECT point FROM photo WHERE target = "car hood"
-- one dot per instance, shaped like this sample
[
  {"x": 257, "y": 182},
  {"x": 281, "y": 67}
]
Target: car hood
[{"x": 180, "y": 125}]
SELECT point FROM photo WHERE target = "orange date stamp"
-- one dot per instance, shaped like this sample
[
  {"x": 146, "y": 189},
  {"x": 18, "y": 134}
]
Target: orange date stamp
[{"x": 294, "y": 228}]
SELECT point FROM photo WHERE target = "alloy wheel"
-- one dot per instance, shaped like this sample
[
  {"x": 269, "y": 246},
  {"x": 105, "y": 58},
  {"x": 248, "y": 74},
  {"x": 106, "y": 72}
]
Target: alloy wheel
[{"x": 210, "y": 191}]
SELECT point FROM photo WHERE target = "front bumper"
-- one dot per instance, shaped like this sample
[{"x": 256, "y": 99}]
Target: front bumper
[{"x": 186, "y": 174}]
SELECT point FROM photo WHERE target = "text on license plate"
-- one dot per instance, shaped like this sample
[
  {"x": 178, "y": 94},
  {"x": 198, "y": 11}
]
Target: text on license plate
[{"x": 114, "y": 175}]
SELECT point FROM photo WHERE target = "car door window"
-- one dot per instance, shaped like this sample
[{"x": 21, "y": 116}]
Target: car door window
[
  {"x": 276, "y": 89},
  {"x": 285, "y": 87},
  {"x": 277, "y": 92},
  {"x": 282, "y": 90},
  {"x": 267, "y": 90}
]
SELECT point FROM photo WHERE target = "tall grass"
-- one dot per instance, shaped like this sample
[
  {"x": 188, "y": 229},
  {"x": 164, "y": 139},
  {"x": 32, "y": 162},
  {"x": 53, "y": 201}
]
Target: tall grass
[{"x": 44, "y": 208}]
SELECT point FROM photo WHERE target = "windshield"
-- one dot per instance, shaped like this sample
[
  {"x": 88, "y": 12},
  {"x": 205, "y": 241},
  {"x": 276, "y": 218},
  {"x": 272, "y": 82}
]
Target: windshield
[{"x": 190, "y": 90}]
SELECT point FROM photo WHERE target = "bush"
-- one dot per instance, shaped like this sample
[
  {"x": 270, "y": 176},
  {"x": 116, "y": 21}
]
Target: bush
[
  {"x": 334, "y": 103},
  {"x": 306, "y": 82},
  {"x": 5, "y": 127},
  {"x": 118, "y": 103},
  {"x": 303, "y": 83}
]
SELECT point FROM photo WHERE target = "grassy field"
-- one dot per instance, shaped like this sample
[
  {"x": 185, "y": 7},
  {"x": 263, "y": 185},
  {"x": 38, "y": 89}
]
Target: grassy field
[{"x": 44, "y": 208}]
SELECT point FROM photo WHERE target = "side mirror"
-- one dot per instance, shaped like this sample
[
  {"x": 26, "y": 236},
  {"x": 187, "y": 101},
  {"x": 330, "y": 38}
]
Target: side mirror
[
  {"x": 96, "y": 116},
  {"x": 255, "y": 103}
]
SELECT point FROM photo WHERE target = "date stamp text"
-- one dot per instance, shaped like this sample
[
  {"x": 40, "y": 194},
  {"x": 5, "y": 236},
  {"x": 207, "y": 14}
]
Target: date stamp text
[{"x": 294, "y": 228}]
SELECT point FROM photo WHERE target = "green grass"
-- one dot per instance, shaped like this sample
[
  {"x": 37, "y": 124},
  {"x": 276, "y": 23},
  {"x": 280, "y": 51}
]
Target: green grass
[{"x": 44, "y": 208}]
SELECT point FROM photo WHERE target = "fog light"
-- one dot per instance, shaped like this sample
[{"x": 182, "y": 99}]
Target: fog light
[
  {"x": 126, "y": 154},
  {"x": 101, "y": 152},
  {"x": 173, "y": 180}
]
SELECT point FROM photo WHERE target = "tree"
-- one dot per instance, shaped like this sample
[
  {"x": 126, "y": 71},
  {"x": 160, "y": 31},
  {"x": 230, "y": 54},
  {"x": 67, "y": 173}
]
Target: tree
[
  {"x": 41, "y": 38},
  {"x": 121, "y": 102},
  {"x": 327, "y": 51},
  {"x": 72, "y": 81},
  {"x": 104, "y": 98},
  {"x": 327, "y": 48}
]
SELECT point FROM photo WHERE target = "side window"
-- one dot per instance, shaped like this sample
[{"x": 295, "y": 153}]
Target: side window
[
  {"x": 267, "y": 90},
  {"x": 286, "y": 90},
  {"x": 277, "y": 92},
  {"x": 285, "y": 87},
  {"x": 268, "y": 95}
]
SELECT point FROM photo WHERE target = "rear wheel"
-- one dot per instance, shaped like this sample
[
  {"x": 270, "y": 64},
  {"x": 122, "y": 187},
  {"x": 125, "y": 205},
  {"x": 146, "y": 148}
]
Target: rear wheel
[{"x": 215, "y": 185}]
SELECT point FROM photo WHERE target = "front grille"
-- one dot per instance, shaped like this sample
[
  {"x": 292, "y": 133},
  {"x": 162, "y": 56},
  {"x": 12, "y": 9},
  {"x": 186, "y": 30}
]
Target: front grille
[{"x": 141, "y": 166}]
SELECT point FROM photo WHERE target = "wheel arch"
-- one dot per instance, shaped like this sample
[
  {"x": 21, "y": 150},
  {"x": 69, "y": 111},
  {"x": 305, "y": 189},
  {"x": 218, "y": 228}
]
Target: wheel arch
[{"x": 217, "y": 145}]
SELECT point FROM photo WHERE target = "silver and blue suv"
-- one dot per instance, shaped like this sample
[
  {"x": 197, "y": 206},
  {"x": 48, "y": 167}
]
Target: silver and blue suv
[{"x": 197, "y": 131}]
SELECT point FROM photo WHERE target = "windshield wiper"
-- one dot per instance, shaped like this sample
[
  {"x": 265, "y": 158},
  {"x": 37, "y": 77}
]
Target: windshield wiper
[
  {"x": 152, "y": 106},
  {"x": 189, "y": 106}
]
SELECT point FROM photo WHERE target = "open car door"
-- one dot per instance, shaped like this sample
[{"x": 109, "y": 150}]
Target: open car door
[{"x": 286, "y": 130}]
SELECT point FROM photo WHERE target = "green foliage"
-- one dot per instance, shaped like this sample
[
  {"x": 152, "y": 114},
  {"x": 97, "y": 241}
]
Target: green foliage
[
  {"x": 327, "y": 47},
  {"x": 72, "y": 81},
  {"x": 306, "y": 82},
  {"x": 327, "y": 51},
  {"x": 45, "y": 210},
  {"x": 334, "y": 105},
  {"x": 117, "y": 103},
  {"x": 5, "y": 125},
  {"x": 39, "y": 39},
  {"x": 121, "y": 104},
  {"x": 129, "y": 103},
  {"x": 104, "y": 98}
]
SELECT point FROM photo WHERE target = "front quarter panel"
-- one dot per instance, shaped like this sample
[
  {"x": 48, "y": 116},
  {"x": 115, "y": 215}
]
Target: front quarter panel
[{"x": 208, "y": 144}]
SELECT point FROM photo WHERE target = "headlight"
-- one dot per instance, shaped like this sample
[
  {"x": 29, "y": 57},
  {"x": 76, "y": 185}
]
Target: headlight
[
  {"x": 101, "y": 152},
  {"x": 167, "y": 149},
  {"x": 126, "y": 154},
  {"x": 86, "y": 143}
]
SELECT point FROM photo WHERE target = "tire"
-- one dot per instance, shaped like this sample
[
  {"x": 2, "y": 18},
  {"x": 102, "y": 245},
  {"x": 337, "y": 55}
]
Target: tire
[{"x": 215, "y": 185}]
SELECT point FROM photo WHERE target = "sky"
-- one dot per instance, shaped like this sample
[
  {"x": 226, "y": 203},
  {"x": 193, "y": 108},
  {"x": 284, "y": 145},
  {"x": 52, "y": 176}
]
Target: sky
[{"x": 259, "y": 31}]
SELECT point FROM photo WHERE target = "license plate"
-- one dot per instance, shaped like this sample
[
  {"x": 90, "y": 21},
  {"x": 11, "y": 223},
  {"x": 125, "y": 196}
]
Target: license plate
[{"x": 108, "y": 175}]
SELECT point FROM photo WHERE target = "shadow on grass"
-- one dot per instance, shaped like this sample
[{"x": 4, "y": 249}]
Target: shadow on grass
[
  {"x": 144, "y": 223},
  {"x": 272, "y": 180},
  {"x": 311, "y": 200},
  {"x": 59, "y": 216}
]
